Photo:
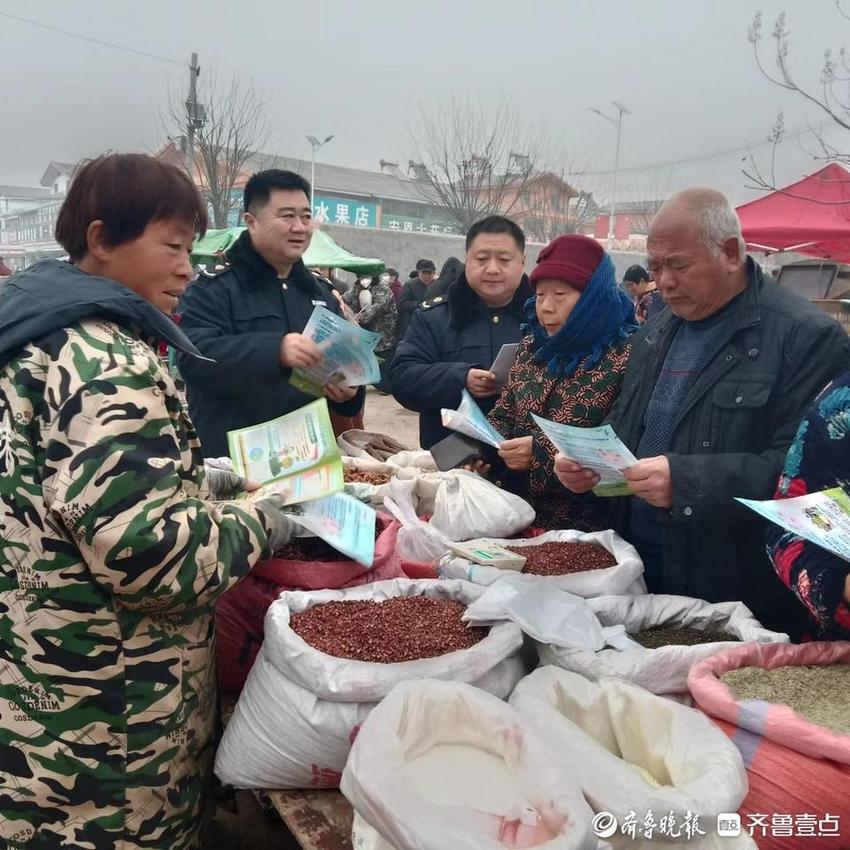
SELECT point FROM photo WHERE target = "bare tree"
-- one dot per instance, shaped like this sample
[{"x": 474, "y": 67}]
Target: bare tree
[
  {"x": 219, "y": 134},
  {"x": 473, "y": 160},
  {"x": 831, "y": 100}
]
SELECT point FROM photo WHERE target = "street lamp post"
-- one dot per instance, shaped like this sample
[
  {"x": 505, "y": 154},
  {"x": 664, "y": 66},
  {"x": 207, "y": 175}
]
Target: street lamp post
[
  {"x": 315, "y": 144},
  {"x": 621, "y": 110}
]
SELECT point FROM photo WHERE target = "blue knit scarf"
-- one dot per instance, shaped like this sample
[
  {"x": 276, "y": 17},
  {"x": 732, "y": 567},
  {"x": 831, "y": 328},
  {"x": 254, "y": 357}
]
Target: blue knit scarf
[{"x": 602, "y": 316}]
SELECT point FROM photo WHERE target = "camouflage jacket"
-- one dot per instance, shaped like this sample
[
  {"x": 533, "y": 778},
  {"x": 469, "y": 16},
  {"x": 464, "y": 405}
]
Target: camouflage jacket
[
  {"x": 380, "y": 317},
  {"x": 110, "y": 561}
]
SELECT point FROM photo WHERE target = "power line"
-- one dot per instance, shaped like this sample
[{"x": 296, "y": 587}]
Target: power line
[
  {"x": 649, "y": 166},
  {"x": 99, "y": 41}
]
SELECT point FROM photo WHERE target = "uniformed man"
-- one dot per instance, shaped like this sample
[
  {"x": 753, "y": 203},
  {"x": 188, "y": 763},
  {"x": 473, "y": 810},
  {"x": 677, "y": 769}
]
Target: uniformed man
[
  {"x": 249, "y": 313},
  {"x": 454, "y": 338}
]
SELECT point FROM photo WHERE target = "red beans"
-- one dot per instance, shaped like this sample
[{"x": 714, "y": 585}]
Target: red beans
[
  {"x": 400, "y": 629},
  {"x": 309, "y": 549},
  {"x": 313, "y": 549},
  {"x": 560, "y": 559}
]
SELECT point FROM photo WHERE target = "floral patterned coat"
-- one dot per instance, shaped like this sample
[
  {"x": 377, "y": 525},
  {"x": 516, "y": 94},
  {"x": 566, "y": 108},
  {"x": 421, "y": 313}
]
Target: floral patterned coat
[
  {"x": 582, "y": 399},
  {"x": 818, "y": 459}
]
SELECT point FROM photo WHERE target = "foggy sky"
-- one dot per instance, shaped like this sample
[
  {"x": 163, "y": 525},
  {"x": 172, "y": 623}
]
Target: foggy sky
[{"x": 361, "y": 68}]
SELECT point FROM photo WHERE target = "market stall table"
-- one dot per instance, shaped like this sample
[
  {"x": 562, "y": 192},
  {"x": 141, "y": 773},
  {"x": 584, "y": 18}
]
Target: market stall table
[{"x": 318, "y": 820}]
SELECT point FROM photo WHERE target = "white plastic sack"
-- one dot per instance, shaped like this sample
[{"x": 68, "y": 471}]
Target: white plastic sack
[
  {"x": 625, "y": 577},
  {"x": 374, "y": 493},
  {"x": 418, "y": 716},
  {"x": 631, "y": 751},
  {"x": 419, "y": 459},
  {"x": 546, "y": 615},
  {"x": 417, "y": 540},
  {"x": 425, "y": 487},
  {"x": 365, "y": 837},
  {"x": 300, "y": 708},
  {"x": 357, "y": 443},
  {"x": 367, "y": 464},
  {"x": 663, "y": 670},
  {"x": 468, "y": 506}
]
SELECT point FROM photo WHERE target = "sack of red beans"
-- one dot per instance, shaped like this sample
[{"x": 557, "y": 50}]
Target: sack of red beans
[
  {"x": 598, "y": 563},
  {"x": 660, "y": 667},
  {"x": 330, "y": 656},
  {"x": 240, "y": 612}
]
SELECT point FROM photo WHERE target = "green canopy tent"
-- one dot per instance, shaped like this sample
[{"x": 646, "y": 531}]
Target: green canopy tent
[{"x": 322, "y": 253}]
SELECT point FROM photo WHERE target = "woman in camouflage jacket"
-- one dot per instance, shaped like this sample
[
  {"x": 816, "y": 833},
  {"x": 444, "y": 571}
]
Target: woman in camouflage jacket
[{"x": 111, "y": 553}]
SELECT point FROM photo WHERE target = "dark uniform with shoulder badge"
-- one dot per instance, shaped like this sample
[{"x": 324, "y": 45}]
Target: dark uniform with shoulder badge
[
  {"x": 237, "y": 314},
  {"x": 449, "y": 335}
]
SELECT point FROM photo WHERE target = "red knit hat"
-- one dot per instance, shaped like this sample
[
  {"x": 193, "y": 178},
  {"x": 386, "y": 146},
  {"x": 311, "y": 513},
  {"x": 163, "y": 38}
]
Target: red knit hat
[{"x": 572, "y": 258}]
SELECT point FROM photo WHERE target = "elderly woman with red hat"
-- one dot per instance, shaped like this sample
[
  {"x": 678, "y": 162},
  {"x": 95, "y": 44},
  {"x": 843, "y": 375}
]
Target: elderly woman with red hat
[{"x": 569, "y": 369}]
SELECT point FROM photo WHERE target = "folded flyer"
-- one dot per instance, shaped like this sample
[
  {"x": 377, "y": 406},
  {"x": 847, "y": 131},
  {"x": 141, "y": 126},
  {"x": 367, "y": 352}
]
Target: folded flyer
[
  {"x": 294, "y": 456},
  {"x": 348, "y": 354},
  {"x": 821, "y": 518},
  {"x": 599, "y": 449},
  {"x": 342, "y": 521},
  {"x": 470, "y": 420}
]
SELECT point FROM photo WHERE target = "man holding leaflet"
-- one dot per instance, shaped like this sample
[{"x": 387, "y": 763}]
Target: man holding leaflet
[
  {"x": 248, "y": 316},
  {"x": 713, "y": 393},
  {"x": 454, "y": 339}
]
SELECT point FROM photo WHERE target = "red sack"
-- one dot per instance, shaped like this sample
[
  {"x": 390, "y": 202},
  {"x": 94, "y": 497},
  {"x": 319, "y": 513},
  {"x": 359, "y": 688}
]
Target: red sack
[
  {"x": 795, "y": 801},
  {"x": 799, "y": 772},
  {"x": 240, "y": 612},
  {"x": 239, "y": 617},
  {"x": 779, "y": 723},
  {"x": 418, "y": 570},
  {"x": 333, "y": 575}
]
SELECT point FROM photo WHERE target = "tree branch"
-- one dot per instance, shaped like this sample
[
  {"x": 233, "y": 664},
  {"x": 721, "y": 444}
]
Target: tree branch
[{"x": 234, "y": 127}]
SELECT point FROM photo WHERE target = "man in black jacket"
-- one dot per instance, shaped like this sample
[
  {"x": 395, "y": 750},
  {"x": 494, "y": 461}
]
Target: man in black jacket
[
  {"x": 249, "y": 315},
  {"x": 713, "y": 394},
  {"x": 454, "y": 338},
  {"x": 414, "y": 292}
]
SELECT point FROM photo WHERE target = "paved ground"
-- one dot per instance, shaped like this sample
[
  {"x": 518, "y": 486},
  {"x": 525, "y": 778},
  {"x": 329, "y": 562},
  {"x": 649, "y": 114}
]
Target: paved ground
[{"x": 386, "y": 416}]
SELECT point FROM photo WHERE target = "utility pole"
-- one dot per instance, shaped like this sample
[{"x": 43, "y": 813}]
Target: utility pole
[
  {"x": 621, "y": 110},
  {"x": 195, "y": 113},
  {"x": 315, "y": 144}
]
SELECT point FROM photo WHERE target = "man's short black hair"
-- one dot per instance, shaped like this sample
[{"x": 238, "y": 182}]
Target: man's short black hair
[
  {"x": 260, "y": 186},
  {"x": 636, "y": 274},
  {"x": 496, "y": 224}
]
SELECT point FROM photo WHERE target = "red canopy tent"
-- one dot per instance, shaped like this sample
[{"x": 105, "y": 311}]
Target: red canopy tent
[{"x": 810, "y": 217}]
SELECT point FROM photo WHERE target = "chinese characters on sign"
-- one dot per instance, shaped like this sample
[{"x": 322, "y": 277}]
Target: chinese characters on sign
[
  {"x": 327, "y": 210},
  {"x": 407, "y": 224},
  {"x": 352, "y": 212}
]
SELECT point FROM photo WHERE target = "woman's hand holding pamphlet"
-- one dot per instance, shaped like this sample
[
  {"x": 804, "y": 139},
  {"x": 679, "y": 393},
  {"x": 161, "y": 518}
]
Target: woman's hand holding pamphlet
[{"x": 297, "y": 459}]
